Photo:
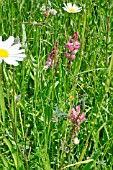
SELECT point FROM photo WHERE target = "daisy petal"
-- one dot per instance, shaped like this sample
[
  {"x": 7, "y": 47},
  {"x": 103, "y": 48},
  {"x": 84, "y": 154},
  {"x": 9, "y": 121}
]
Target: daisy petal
[
  {"x": 9, "y": 42},
  {"x": 0, "y": 60},
  {"x": 65, "y": 5},
  {"x": 16, "y": 52},
  {"x": 74, "y": 6},
  {"x": 0, "y": 39},
  {"x": 69, "y": 5},
  {"x": 18, "y": 59},
  {"x": 65, "y": 9},
  {"x": 14, "y": 47},
  {"x": 11, "y": 62},
  {"x": 17, "y": 55}
]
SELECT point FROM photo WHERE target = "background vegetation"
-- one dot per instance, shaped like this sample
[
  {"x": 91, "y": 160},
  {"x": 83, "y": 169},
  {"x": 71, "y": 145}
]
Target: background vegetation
[{"x": 35, "y": 131}]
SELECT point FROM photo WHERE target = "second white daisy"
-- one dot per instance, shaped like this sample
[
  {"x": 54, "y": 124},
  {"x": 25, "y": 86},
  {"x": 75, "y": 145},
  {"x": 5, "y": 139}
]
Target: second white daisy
[{"x": 72, "y": 8}]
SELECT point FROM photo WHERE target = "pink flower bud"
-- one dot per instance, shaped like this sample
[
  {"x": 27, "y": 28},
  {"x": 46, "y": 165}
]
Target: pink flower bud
[
  {"x": 71, "y": 117},
  {"x": 78, "y": 121},
  {"x": 76, "y": 45},
  {"x": 67, "y": 55},
  {"x": 72, "y": 56},
  {"x": 82, "y": 117},
  {"x": 71, "y": 48},
  {"x": 49, "y": 55},
  {"x": 73, "y": 111},
  {"x": 74, "y": 52},
  {"x": 53, "y": 11},
  {"x": 75, "y": 36},
  {"x": 68, "y": 44},
  {"x": 78, "y": 109}
]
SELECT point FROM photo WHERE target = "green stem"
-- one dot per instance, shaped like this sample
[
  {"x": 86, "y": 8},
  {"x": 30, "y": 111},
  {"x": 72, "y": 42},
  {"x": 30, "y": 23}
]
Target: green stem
[
  {"x": 1, "y": 17},
  {"x": 107, "y": 32},
  {"x": 82, "y": 45},
  {"x": 2, "y": 105}
]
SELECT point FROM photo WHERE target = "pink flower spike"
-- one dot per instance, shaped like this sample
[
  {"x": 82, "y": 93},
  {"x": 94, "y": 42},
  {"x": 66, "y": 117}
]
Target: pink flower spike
[
  {"x": 76, "y": 45},
  {"x": 82, "y": 117},
  {"x": 49, "y": 55},
  {"x": 67, "y": 55},
  {"x": 71, "y": 117},
  {"x": 73, "y": 111},
  {"x": 70, "y": 39},
  {"x": 72, "y": 56},
  {"x": 74, "y": 52},
  {"x": 53, "y": 11},
  {"x": 78, "y": 121},
  {"x": 75, "y": 36},
  {"x": 46, "y": 67},
  {"x": 78, "y": 109},
  {"x": 48, "y": 63},
  {"x": 57, "y": 43},
  {"x": 68, "y": 44},
  {"x": 71, "y": 48}
]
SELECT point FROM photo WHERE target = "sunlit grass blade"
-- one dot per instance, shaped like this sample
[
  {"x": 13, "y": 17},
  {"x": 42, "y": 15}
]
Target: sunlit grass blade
[{"x": 4, "y": 160}]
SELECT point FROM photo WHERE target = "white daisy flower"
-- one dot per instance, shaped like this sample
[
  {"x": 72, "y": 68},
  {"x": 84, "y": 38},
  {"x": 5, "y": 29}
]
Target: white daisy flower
[
  {"x": 10, "y": 52},
  {"x": 72, "y": 8}
]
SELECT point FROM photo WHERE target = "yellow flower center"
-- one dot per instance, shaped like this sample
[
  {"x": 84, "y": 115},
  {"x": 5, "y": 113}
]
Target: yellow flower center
[
  {"x": 71, "y": 97},
  {"x": 72, "y": 10},
  {"x": 3, "y": 53}
]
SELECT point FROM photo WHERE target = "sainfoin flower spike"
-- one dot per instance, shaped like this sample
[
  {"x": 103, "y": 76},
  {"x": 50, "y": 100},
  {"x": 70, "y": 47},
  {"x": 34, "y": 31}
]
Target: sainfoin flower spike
[
  {"x": 51, "y": 60},
  {"x": 48, "y": 10},
  {"x": 10, "y": 52},
  {"x": 73, "y": 45},
  {"x": 76, "y": 118}
]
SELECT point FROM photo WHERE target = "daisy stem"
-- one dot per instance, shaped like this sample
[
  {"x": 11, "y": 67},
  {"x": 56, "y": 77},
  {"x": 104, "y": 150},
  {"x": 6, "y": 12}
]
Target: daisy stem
[
  {"x": 83, "y": 43},
  {"x": 69, "y": 22},
  {"x": 2, "y": 105},
  {"x": 75, "y": 26},
  {"x": 14, "y": 113}
]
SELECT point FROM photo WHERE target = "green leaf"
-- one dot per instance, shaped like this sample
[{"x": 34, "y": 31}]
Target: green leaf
[
  {"x": 5, "y": 162},
  {"x": 94, "y": 157},
  {"x": 18, "y": 163}
]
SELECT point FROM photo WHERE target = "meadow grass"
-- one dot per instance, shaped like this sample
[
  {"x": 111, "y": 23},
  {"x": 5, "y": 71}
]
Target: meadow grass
[{"x": 35, "y": 132}]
